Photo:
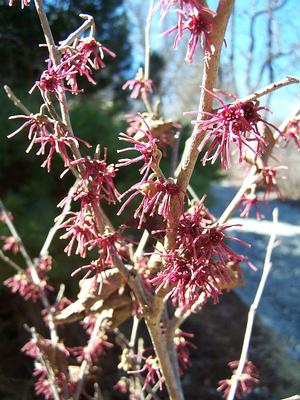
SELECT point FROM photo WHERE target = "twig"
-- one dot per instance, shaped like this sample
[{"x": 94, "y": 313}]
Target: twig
[
  {"x": 84, "y": 365},
  {"x": 17, "y": 102},
  {"x": 134, "y": 330},
  {"x": 147, "y": 41},
  {"x": 172, "y": 382},
  {"x": 253, "y": 308},
  {"x": 43, "y": 362},
  {"x": 58, "y": 220},
  {"x": 270, "y": 88},
  {"x": 140, "y": 248},
  {"x": 33, "y": 272},
  {"x": 10, "y": 262},
  {"x": 180, "y": 316},
  {"x": 88, "y": 23},
  {"x": 248, "y": 181}
]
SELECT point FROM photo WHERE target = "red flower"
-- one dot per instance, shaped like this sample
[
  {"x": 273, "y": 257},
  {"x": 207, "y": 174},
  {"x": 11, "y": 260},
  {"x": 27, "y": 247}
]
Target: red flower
[
  {"x": 157, "y": 195},
  {"x": 249, "y": 201},
  {"x": 97, "y": 180},
  {"x": 51, "y": 81},
  {"x": 44, "y": 131},
  {"x": 248, "y": 379},
  {"x": 292, "y": 132},
  {"x": 94, "y": 52},
  {"x": 152, "y": 368},
  {"x": 198, "y": 20},
  {"x": 22, "y": 282},
  {"x": 10, "y": 244},
  {"x": 72, "y": 64},
  {"x": 92, "y": 352},
  {"x": 183, "y": 346},
  {"x": 269, "y": 176},
  {"x": 138, "y": 85},
  {"x": 235, "y": 123},
  {"x": 81, "y": 229},
  {"x": 150, "y": 155}
]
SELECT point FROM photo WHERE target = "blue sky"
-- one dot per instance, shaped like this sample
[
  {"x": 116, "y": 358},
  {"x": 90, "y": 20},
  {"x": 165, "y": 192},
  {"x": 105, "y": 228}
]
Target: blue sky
[{"x": 286, "y": 30}]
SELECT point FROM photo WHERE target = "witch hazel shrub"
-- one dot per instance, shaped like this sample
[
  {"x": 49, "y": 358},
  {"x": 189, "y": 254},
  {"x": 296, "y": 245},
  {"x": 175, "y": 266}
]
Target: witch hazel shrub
[{"x": 183, "y": 256}]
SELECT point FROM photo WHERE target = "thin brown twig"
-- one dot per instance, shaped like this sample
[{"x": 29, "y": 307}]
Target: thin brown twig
[
  {"x": 17, "y": 102},
  {"x": 58, "y": 220},
  {"x": 10, "y": 262},
  {"x": 88, "y": 23},
  {"x": 252, "y": 311}
]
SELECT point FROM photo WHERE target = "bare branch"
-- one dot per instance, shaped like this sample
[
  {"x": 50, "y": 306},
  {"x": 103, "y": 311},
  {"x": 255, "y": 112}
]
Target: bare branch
[
  {"x": 17, "y": 102},
  {"x": 10, "y": 262},
  {"x": 253, "y": 308}
]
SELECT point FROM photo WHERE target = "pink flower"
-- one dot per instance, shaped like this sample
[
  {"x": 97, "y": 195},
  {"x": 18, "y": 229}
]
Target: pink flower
[
  {"x": 45, "y": 132},
  {"x": 24, "y": 3},
  {"x": 188, "y": 277},
  {"x": 22, "y": 282},
  {"x": 198, "y": 20},
  {"x": 199, "y": 262},
  {"x": 249, "y": 201},
  {"x": 80, "y": 228},
  {"x": 248, "y": 379},
  {"x": 269, "y": 180},
  {"x": 138, "y": 86},
  {"x": 152, "y": 368},
  {"x": 51, "y": 81},
  {"x": 292, "y": 132},
  {"x": 97, "y": 179},
  {"x": 183, "y": 346},
  {"x": 107, "y": 243},
  {"x": 10, "y": 244},
  {"x": 94, "y": 52},
  {"x": 149, "y": 152},
  {"x": 235, "y": 123},
  {"x": 72, "y": 64},
  {"x": 92, "y": 352},
  {"x": 157, "y": 195}
]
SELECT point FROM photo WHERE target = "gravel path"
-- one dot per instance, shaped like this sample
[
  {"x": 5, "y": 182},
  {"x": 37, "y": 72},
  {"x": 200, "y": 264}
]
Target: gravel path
[{"x": 279, "y": 307}]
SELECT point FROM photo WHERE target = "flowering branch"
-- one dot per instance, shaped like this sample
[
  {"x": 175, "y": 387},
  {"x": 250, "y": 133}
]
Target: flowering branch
[
  {"x": 32, "y": 268},
  {"x": 210, "y": 72},
  {"x": 266, "y": 270}
]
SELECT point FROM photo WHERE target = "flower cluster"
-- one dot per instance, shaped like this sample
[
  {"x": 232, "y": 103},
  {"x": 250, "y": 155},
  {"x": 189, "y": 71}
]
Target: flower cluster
[
  {"x": 248, "y": 379},
  {"x": 86, "y": 53},
  {"x": 199, "y": 262},
  {"x": 144, "y": 143},
  {"x": 92, "y": 352},
  {"x": 157, "y": 196},
  {"x": 195, "y": 19},
  {"x": 46, "y": 132},
  {"x": 235, "y": 123},
  {"x": 23, "y": 284},
  {"x": 56, "y": 361}
]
